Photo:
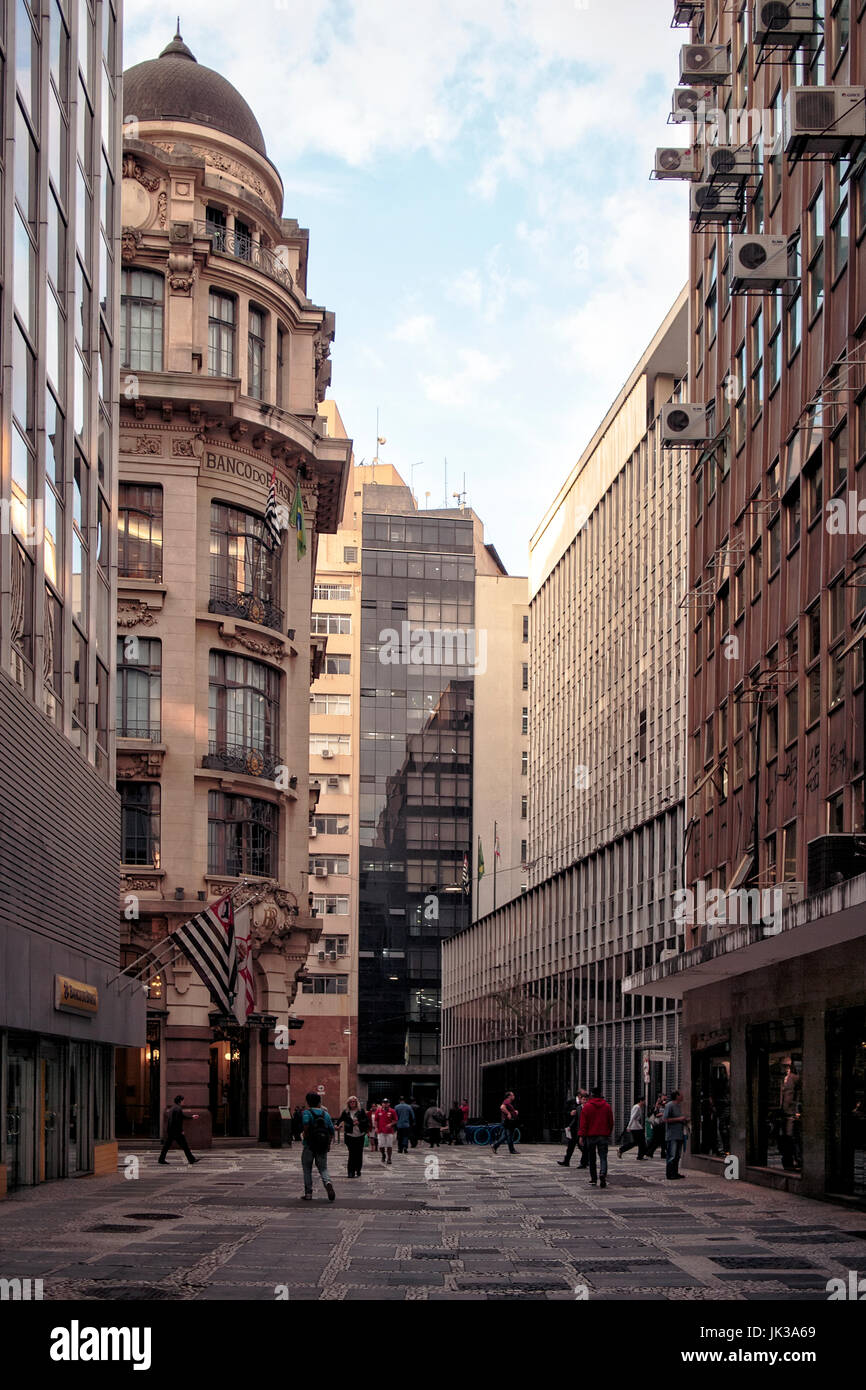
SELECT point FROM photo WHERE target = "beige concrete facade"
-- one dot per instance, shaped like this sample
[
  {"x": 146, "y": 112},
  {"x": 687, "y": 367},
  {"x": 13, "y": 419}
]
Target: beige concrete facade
[
  {"x": 500, "y": 764},
  {"x": 219, "y": 389}
]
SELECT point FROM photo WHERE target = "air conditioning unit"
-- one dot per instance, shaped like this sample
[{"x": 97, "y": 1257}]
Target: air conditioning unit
[
  {"x": 313, "y": 832},
  {"x": 685, "y": 11},
  {"x": 716, "y": 202},
  {"x": 692, "y": 104},
  {"x": 332, "y": 957},
  {"x": 727, "y": 163},
  {"x": 704, "y": 62},
  {"x": 683, "y": 424},
  {"x": 321, "y": 871},
  {"x": 676, "y": 164},
  {"x": 832, "y": 859},
  {"x": 823, "y": 120},
  {"x": 333, "y": 781},
  {"x": 326, "y": 753},
  {"x": 783, "y": 21},
  {"x": 321, "y": 955},
  {"x": 758, "y": 262}
]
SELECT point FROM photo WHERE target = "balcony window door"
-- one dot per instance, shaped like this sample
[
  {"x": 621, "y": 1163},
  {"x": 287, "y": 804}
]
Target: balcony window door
[
  {"x": 244, "y": 567},
  {"x": 243, "y": 713}
]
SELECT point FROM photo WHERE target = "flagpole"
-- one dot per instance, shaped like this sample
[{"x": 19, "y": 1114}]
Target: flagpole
[
  {"x": 154, "y": 955},
  {"x": 495, "y": 857}
]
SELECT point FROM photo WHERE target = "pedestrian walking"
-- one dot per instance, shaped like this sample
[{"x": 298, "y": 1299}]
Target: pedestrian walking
[
  {"x": 174, "y": 1131},
  {"x": 456, "y": 1124},
  {"x": 297, "y": 1122},
  {"x": 417, "y": 1123},
  {"x": 657, "y": 1125},
  {"x": 596, "y": 1128},
  {"x": 372, "y": 1133},
  {"x": 572, "y": 1125},
  {"x": 354, "y": 1122},
  {"x": 318, "y": 1131},
  {"x": 434, "y": 1123},
  {"x": 675, "y": 1133},
  {"x": 635, "y": 1130},
  {"x": 509, "y": 1113},
  {"x": 405, "y": 1121},
  {"x": 464, "y": 1106},
  {"x": 386, "y": 1123}
]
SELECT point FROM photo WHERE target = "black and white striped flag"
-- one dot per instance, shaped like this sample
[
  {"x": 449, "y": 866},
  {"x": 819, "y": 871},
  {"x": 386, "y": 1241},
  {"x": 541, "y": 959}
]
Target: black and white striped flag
[
  {"x": 208, "y": 942},
  {"x": 272, "y": 515}
]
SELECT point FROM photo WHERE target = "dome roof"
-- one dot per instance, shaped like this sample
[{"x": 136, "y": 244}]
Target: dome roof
[{"x": 175, "y": 86}]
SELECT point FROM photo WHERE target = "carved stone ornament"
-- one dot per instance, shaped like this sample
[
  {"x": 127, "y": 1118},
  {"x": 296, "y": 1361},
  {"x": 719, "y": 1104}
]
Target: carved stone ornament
[
  {"x": 182, "y": 449},
  {"x": 181, "y": 273},
  {"x": 147, "y": 444},
  {"x": 133, "y": 170},
  {"x": 180, "y": 233},
  {"x": 162, "y": 208},
  {"x": 130, "y": 240},
  {"x": 135, "y": 884},
  {"x": 139, "y": 764},
  {"x": 132, "y": 612},
  {"x": 252, "y": 642}
]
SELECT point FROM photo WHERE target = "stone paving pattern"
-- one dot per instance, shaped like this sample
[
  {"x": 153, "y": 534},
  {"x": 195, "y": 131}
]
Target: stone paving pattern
[{"x": 489, "y": 1226}]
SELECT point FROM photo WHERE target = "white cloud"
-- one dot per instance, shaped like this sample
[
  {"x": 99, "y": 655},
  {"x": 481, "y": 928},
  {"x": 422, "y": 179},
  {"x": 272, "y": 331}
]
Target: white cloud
[
  {"x": 415, "y": 329},
  {"x": 476, "y": 370}
]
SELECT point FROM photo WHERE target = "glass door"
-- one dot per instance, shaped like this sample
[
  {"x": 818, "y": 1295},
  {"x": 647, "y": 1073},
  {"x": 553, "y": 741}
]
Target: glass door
[
  {"x": 21, "y": 1114},
  {"x": 51, "y": 1080},
  {"x": 78, "y": 1090}
]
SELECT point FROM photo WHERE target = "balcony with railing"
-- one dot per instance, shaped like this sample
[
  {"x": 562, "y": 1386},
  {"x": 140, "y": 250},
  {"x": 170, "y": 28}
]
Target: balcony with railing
[
  {"x": 240, "y": 247},
  {"x": 236, "y": 604},
  {"x": 232, "y": 757}
]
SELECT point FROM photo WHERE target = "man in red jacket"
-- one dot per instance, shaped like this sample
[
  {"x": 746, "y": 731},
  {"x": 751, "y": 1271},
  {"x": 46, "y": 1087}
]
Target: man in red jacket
[
  {"x": 386, "y": 1122},
  {"x": 596, "y": 1128}
]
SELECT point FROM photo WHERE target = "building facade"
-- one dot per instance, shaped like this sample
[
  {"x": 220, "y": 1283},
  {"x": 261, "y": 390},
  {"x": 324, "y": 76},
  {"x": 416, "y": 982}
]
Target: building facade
[
  {"x": 62, "y": 1012},
  {"x": 772, "y": 982},
  {"x": 420, "y": 657},
  {"x": 325, "y": 1052},
  {"x": 533, "y": 995},
  {"x": 500, "y": 772},
  {"x": 223, "y": 362}
]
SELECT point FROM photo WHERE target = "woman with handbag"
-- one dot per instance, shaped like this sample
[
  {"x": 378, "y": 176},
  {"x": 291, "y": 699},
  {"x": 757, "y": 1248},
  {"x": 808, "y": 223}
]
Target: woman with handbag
[{"x": 355, "y": 1124}]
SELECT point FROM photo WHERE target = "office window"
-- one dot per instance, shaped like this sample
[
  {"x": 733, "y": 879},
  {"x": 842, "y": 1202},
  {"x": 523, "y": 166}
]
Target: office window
[
  {"x": 256, "y": 353},
  {"x": 525, "y": 680},
  {"x": 244, "y": 566},
  {"x": 524, "y": 763},
  {"x": 139, "y": 687},
  {"x": 814, "y": 488},
  {"x": 332, "y": 591},
  {"x": 330, "y": 704},
  {"x": 222, "y": 319},
  {"x": 524, "y": 807},
  {"x": 141, "y": 320},
  {"x": 774, "y": 340},
  {"x": 243, "y": 706},
  {"x": 338, "y": 665},
  {"x": 282, "y": 357},
  {"x": 139, "y": 527},
  {"x": 330, "y": 905},
  {"x": 757, "y": 356},
  {"x": 794, "y": 307},
  {"x": 840, "y": 222},
  {"x": 524, "y": 720},
  {"x": 338, "y": 623},
  {"x": 815, "y": 247},
  {"x": 325, "y": 984},
  {"x": 331, "y": 825},
  {"x": 526, "y": 627},
  {"x": 839, "y": 459},
  {"x": 139, "y": 823},
  {"x": 242, "y": 835}
]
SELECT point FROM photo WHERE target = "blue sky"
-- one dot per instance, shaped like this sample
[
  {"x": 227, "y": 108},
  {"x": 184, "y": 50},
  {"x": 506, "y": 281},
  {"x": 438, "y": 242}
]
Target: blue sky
[{"x": 474, "y": 176}]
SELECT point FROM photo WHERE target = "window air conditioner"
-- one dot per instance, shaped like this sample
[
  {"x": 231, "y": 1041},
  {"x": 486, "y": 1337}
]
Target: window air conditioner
[
  {"x": 313, "y": 832},
  {"x": 333, "y": 781},
  {"x": 715, "y": 202},
  {"x": 823, "y": 120},
  {"x": 326, "y": 753},
  {"x": 332, "y": 957},
  {"x": 704, "y": 62},
  {"x": 683, "y": 423},
  {"x": 777, "y": 22},
  {"x": 727, "y": 163},
  {"x": 321, "y": 955},
  {"x": 321, "y": 871},
  {"x": 692, "y": 104},
  {"x": 758, "y": 262},
  {"x": 676, "y": 164}
]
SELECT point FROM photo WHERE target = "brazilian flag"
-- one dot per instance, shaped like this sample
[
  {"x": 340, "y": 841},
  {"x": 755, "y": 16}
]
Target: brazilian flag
[
  {"x": 480, "y": 859},
  {"x": 296, "y": 520}
]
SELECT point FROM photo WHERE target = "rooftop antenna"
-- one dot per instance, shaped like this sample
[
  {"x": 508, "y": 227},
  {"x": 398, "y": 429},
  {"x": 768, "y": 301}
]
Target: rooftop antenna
[
  {"x": 412, "y": 467},
  {"x": 445, "y": 498},
  {"x": 379, "y": 440}
]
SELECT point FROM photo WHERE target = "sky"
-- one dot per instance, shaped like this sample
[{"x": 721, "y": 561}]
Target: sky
[{"x": 474, "y": 175}]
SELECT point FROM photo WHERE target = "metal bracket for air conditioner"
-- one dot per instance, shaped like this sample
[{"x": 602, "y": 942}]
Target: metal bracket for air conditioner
[{"x": 686, "y": 12}]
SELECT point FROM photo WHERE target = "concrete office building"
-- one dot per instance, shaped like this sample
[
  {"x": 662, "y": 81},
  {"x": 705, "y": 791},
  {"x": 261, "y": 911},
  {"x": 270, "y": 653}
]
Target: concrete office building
[
  {"x": 773, "y": 987},
  {"x": 223, "y": 361},
  {"x": 325, "y": 1051},
  {"x": 61, "y": 1016},
  {"x": 500, "y": 772},
  {"x": 606, "y": 720}
]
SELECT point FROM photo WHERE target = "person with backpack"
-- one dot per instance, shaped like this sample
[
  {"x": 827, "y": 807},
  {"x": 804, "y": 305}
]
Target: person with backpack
[
  {"x": 355, "y": 1124},
  {"x": 318, "y": 1131},
  {"x": 508, "y": 1112}
]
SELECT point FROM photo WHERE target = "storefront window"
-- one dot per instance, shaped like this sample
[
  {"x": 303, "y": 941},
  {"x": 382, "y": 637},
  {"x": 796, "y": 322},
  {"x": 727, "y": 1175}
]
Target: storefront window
[
  {"x": 847, "y": 1087},
  {"x": 775, "y": 1061},
  {"x": 711, "y": 1099}
]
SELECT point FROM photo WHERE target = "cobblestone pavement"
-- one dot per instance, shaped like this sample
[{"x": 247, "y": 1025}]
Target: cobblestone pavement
[{"x": 488, "y": 1226}]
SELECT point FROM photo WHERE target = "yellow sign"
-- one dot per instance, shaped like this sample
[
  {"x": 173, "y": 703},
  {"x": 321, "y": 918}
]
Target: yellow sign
[{"x": 73, "y": 996}]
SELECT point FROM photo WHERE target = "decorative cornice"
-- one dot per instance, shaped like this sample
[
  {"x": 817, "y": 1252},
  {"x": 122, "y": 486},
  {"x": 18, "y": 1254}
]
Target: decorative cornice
[
  {"x": 132, "y": 612},
  {"x": 146, "y": 764},
  {"x": 133, "y": 170},
  {"x": 234, "y": 167},
  {"x": 273, "y": 647}
]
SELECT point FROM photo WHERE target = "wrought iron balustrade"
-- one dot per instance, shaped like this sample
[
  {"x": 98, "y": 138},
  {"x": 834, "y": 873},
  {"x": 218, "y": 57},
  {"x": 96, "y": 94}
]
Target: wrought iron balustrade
[
  {"x": 236, "y": 604},
  {"x": 232, "y": 757},
  {"x": 242, "y": 248}
]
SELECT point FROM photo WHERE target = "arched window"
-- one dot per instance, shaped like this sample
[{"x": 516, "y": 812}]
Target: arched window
[{"x": 142, "y": 294}]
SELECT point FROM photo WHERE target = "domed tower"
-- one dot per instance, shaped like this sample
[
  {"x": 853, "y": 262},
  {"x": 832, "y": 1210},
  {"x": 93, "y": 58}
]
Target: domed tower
[{"x": 223, "y": 361}]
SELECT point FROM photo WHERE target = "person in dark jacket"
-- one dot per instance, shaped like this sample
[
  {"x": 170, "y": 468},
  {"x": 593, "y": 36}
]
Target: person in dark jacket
[
  {"x": 455, "y": 1124},
  {"x": 509, "y": 1113},
  {"x": 355, "y": 1124},
  {"x": 572, "y": 1124},
  {"x": 596, "y": 1128},
  {"x": 297, "y": 1122},
  {"x": 418, "y": 1126},
  {"x": 174, "y": 1132}
]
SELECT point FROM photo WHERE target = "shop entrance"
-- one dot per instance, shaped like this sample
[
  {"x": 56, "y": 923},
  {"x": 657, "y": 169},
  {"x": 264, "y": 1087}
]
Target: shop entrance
[
  {"x": 228, "y": 1096},
  {"x": 21, "y": 1114},
  {"x": 51, "y": 1107}
]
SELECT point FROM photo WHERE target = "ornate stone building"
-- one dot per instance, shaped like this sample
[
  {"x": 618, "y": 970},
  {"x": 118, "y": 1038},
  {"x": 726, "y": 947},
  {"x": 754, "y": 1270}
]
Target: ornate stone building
[{"x": 223, "y": 362}]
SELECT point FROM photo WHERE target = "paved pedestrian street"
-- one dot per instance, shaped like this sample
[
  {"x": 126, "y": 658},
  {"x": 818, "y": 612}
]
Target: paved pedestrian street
[{"x": 486, "y": 1227}]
